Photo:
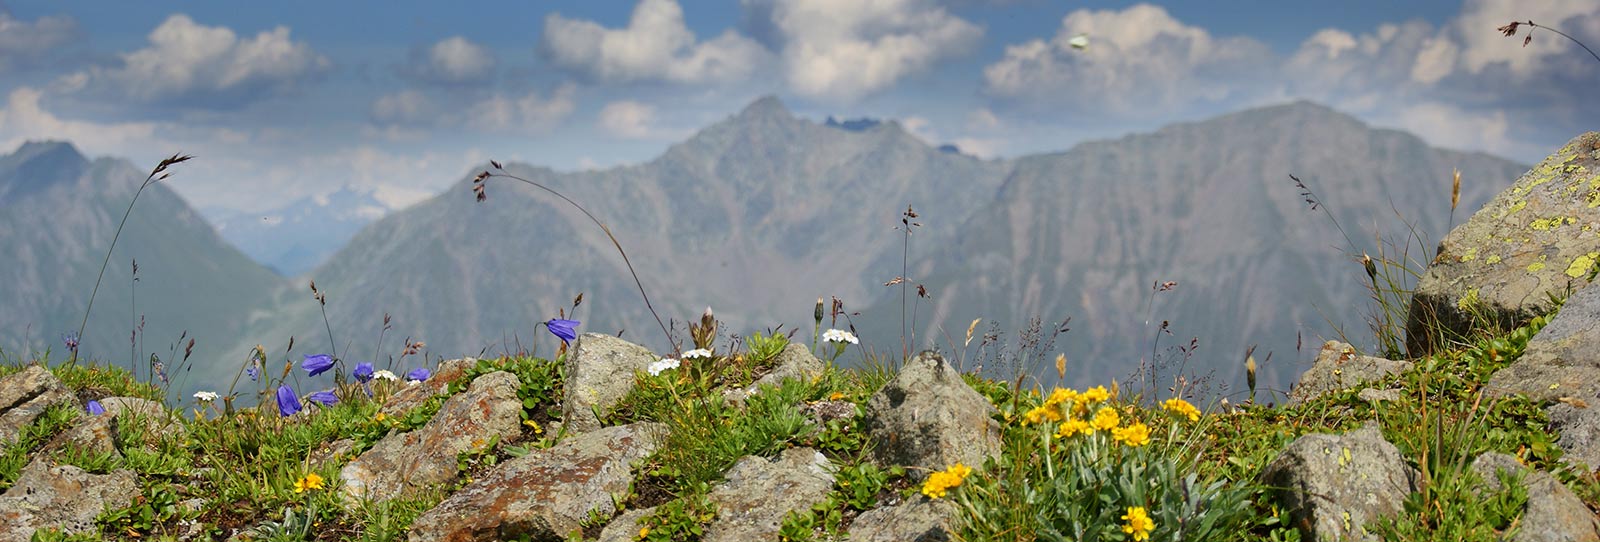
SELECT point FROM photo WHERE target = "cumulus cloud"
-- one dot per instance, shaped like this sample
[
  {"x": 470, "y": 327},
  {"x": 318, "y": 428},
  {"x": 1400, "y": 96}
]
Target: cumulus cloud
[
  {"x": 846, "y": 49},
  {"x": 24, "y": 118},
  {"x": 532, "y": 112},
  {"x": 451, "y": 61},
  {"x": 201, "y": 65},
  {"x": 24, "y": 44},
  {"x": 655, "y": 46},
  {"x": 1140, "y": 59},
  {"x": 628, "y": 119}
]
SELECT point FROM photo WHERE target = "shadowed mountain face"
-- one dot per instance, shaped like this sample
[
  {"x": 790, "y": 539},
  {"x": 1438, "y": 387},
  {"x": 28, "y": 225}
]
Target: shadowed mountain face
[
  {"x": 1087, "y": 233},
  {"x": 58, "y": 212}
]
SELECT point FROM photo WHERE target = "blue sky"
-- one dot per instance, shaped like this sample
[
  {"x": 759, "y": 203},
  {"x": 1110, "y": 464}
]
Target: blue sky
[{"x": 282, "y": 101}]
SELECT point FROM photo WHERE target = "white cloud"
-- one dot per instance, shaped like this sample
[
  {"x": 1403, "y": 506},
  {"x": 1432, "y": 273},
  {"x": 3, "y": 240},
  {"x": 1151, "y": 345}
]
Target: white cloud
[
  {"x": 846, "y": 49},
  {"x": 451, "y": 61},
  {"x": 1140, "y": 59},
  {"x": 655, "y": 46},
  {"x": 23, "y": 118},
  {"x": 399, "y": 116},
  {"x": 1482, "y": 47},
  {"x": 209, "y": 65},
  {"x": 404, "y": 107},
  {"x": 982, "y": 119},
  {"x": 24, "y": 44},
  {"x": 628, "y": 119}
]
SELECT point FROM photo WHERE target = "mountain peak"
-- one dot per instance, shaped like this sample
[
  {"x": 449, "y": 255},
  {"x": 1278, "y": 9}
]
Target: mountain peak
[
  {"x": 59, "y": 152},
  {"x": 768, "y": 106}
]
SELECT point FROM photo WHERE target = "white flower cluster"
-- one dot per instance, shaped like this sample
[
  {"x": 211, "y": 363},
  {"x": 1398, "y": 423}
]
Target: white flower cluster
[
  {"x": 665, "y": 363},
  {"x": 384, "y": 374},
  {"x": 697, "y": 354},
  {"x": 839, "y": 336},
  {"x": 205, "y": 396}
]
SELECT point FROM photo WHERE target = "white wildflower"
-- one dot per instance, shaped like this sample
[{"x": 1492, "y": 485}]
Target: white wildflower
[
  {"x": 840, "y": 336},
  {"x": 205, "y": 396},
  {"x": 665, "y": 363},
  {"x": 384, "y": 374},
  {"x": 697, "y": 353}
]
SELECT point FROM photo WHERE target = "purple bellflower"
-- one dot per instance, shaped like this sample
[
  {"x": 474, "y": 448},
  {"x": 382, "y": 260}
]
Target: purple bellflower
[
  {"x": 288, "y": 403},
  {"x": 317, "y": 363},
  {"x": 567, "y": 330}
]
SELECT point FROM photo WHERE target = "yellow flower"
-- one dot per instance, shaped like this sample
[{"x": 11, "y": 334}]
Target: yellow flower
[
  {"x": 535, "y": 425},
  {"x": 1139, "y": 523},
  {"x": 835, "y": 396},
  {"x": 1042, "y": 414},
  {"x": 308, "y": 483},
  {"x": 644, "y": 532},
  {"x": 1074, "y": 426},
  {"x": 1094, "y": 395},
  {"x": 1182, "y": 408},
  {"x": 1135, "y": 434},
  {"x": 379, "y": 417},
  {"x": 1105, "y": 419},
  {"x": 938, "y": 482},
  {"x": 961, "y": 472},
  {"x": 1061, "y": 396}
]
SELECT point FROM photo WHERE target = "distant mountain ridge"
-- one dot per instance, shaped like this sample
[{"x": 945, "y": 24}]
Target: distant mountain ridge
[
  {"x": 759, "y": 215},
  {"x": 297, "y": 237}
]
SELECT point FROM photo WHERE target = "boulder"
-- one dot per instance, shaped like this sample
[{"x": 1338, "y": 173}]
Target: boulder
[
  {"x": 1336, "y": 484},
  {"x": 62, "y": 497},
  {"x": 152, "y": 417},
  {"x": 600, "y": 372},
  {"x": 1561, "y": 365},
  {"x": 1339, "y": 367},
  {"x": 413, "y": 396},
  {"x": 759, "y": 492},
  {"x": 427, "y": 456},
  {"x": 928, "y": 418},
  {"x": 1535, "y": 239},
  {"x": 24, "y": 396},
  {"x": 917, "y": 520},
  {"x": 546, "y": 494},
  {"x": 625, "y": 527},
  {"x": 794, "y": 362},
  {"x": 1552, "y": 513}
]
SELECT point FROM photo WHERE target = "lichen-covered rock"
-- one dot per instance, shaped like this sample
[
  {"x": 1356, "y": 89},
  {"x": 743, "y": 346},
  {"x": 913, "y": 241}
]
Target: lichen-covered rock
[
  {"x": 1534, "y": 239},
  {"x": 1339, "y": 366},
  {"x": 414, "y": 395},
  {"x": 546, "y": 494},
  {"x": 918, "y": 520},
  {"x": 928, "y": 417},
  {"x": 625, "y": 527},
  {"x": 759, "y": 492},
  {"x": 600, "y": 372},
  {"x": 24, "y": 396},
  {"x": 1338, "y": 484},
  {"x": 62, "y": 497},
  {"x": 427, "y": 456},
  {"x": 1561, "y": 365},
  {"x": 1553, "y": 512}
]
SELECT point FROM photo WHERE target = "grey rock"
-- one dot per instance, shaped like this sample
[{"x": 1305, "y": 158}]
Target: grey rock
[
  {"x": 1339, "y": 367},
  {"x": 758, "y": 492},
  {"x": 1561, "y": 365},
  {"x": 1553, "y": 512},
  {"x": 1378, "y": 396},
  {"x": 151, "y": 418},
  {"x": 427, "y": 456},
  {"x": 63, "y": 497},
  {"x": 546, "y": 494},
  {"x": 600, "y": 372},
  {"x": 625, "y": 527},
  {"x": 1530, "y": 241},
  {"x": 918, "y": 520},
  {"x": 331, "y": 453},
  {"x": 929, "y": 418},
  {"x": 89, "y": 434},
  {"x": 1577, "y": 434},
  {"x": 1339, "y": 483},
  {"x": 794, "y": 362},
  {"x": 408, "y": 397},
  {"x": 25, "y": 395}
]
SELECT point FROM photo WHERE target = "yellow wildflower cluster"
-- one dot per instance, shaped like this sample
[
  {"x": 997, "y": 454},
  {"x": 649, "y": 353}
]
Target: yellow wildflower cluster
[
  {"x": 1106, "y": 419},
  {"x": 941, "y": 481},
  {"x": 1139, "y": 523},
  {"x": 1064, "y": 403},
  {"x": 308, "y": 483},
  {"x": 1074, "y": 426},
  {"x": 1181, "y": 408},
  {"x": 1135, "y": 434}
]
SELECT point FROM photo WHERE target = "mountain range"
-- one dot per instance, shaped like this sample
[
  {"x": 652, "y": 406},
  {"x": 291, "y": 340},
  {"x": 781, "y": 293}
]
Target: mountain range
[{"x": 759, "y": 215}]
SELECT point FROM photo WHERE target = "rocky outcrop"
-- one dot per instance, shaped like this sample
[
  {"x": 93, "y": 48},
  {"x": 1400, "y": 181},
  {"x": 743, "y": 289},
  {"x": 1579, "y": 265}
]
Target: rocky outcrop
[
  {"x": 427, "y": 455},
  {"x": 1533, "y": 240},
  {"x": 917, "y": 520},
  {"x": 1561, "y": 365},
  {"x": 411, "y": 396},
  {"x": 25, "y": 395},
  {"x": 1553, "y": 512},
  {"x": 1338, "y": 484},
  {"x": 61, "y": 497},
  {"x": 625, "y": 527},
  {"x": 600, "y": 371},
  {"x": 794, "y": 362},
  {"x": 1339, "y": 367},
  {"x": 546, "y": 494},
  {"x": 928, "y": 418},
  {"x": 759, "y": 492}
]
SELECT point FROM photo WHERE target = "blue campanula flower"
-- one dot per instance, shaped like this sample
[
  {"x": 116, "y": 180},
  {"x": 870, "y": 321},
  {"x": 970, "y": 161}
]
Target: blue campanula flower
[
  {"x": 418, "y": 374},
  {"x": 567, "y": 330},
  {"x": 95, "y": 408},
  {"x": 324, "y": 398},
  {"x": 288, "y": 403},
  {"x": 317, "y": 363},
  {"x": 363, "y": 371}
]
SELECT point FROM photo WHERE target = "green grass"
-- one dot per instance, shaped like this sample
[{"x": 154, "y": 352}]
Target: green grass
[{"x": 1197, "y": 476}]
